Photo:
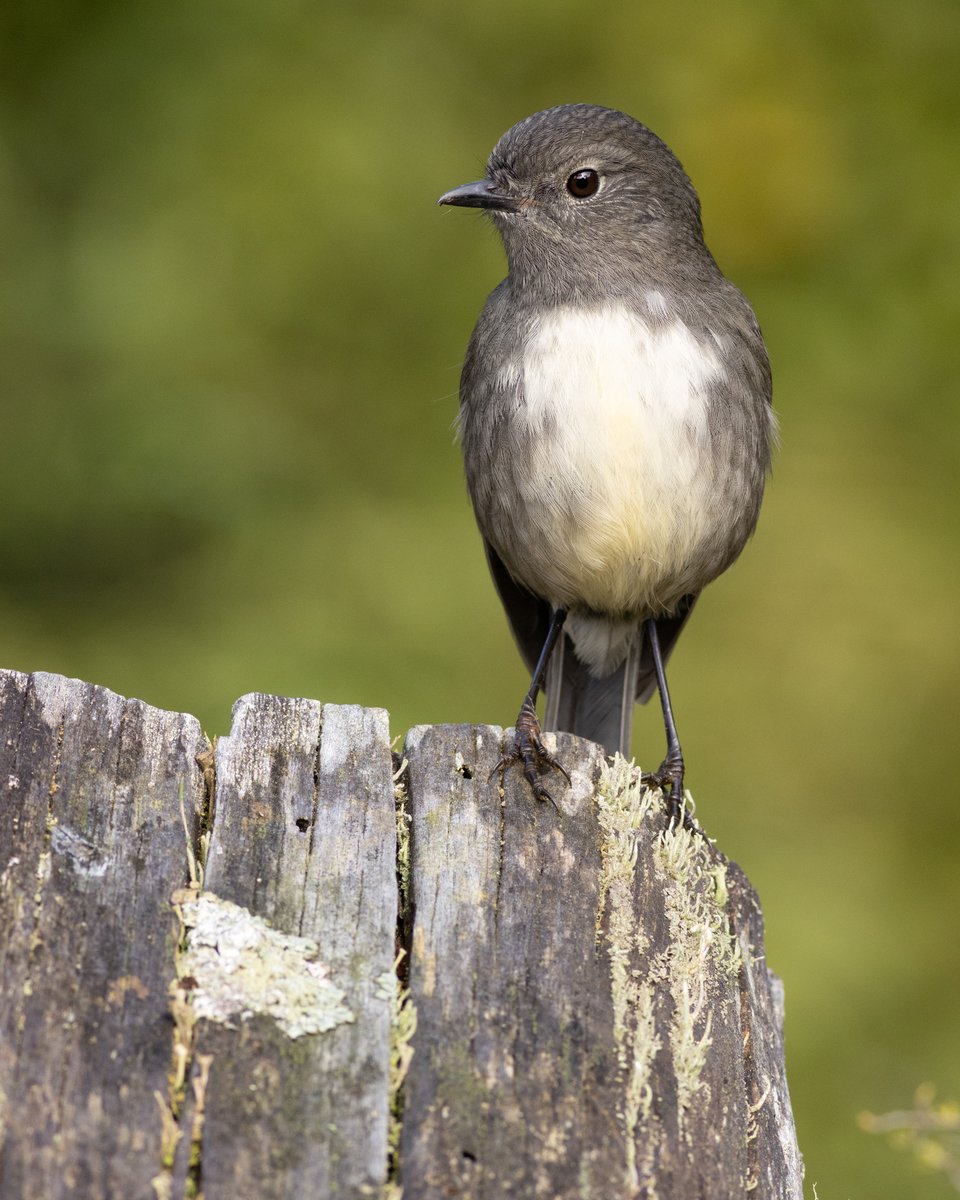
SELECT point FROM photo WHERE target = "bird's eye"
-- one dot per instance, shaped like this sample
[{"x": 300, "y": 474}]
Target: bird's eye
[{"x": 583, "y": 183}]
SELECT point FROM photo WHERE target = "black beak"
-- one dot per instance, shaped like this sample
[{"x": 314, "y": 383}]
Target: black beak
[{"x": 482, "y": 194}]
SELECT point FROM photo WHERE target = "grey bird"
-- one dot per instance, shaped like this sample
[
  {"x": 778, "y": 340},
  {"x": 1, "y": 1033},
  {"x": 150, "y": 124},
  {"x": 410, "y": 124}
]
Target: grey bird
[{"x": 615, "y": 419}]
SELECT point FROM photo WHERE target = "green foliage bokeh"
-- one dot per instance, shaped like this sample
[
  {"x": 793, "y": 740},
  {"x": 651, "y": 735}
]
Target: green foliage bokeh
[{"x": 232, "y": 321}]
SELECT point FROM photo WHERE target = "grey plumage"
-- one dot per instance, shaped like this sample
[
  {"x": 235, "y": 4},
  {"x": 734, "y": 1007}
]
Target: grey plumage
[{"x": 615, "y": 411}]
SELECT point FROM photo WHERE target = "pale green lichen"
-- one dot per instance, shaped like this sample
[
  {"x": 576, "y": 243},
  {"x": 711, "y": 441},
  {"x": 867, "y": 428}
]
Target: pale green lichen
[
  {"x": 700, "y": 951},
  {"x": 243, "y": 968},
  {"x": 753, "y": 1127},
  {"x": 701, "y": 948},
  {"x": 696, "y": 897},
  {"x": 403, "y": 1025},
  {"x": 194, "y": 866},
  {"x": 184, "y": 1027},
  {"x": 403, "y": 835},
  {"x": 718, "y": 873},
  {"x": 622, "y": 805}
]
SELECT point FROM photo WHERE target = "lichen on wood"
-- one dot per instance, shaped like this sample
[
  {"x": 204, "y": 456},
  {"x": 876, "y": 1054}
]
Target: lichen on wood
[
  {"x": 574, "y": 1003},
  {"x": 239, "y": 967}
]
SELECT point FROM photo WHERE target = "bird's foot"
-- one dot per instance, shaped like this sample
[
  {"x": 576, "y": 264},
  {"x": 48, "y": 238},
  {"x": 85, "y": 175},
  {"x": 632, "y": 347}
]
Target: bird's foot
[
  {"x": 669, "y": 779},
  {"x": 531, "y": 752}
]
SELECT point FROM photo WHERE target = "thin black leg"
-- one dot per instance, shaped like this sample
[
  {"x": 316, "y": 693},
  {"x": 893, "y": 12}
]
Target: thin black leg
[
  {"x": 531, "y": 751},
  {"x": 536, "y": 683},
  {"x": 671, "y": 769}
]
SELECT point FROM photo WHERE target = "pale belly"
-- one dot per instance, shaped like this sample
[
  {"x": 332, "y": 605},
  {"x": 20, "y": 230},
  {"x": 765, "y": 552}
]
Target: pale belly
[{"x": 617, "y": 502}]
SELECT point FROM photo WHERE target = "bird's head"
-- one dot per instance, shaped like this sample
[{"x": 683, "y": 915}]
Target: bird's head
[{"x": 584, "y": 188}]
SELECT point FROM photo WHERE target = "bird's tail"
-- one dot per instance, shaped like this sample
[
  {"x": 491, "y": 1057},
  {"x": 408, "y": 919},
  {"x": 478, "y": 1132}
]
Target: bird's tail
[{"x": 598, "y": 709}]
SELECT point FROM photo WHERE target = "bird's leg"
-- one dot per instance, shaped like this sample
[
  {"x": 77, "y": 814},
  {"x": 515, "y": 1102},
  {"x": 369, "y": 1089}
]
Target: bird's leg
[
  {"x": 531, "y": 751},
  {"x": 671, "y": 769}
]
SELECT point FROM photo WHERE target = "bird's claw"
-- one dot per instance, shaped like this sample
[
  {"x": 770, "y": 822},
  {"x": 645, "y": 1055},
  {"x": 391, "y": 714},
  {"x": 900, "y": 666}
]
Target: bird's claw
[
  {"x": 669, "y": 779},
  {"x": 533, "y": 754}
]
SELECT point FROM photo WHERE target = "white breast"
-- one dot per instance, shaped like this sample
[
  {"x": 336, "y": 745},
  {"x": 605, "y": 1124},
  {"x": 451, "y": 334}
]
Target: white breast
[{"x": 618, "y": 488}]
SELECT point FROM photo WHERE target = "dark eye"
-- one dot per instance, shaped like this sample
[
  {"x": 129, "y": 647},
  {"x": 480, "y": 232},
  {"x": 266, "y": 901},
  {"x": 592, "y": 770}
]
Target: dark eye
[{"x": 583, "y": 183}]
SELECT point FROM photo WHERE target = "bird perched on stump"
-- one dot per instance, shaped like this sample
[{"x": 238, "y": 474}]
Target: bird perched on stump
[{"x": 615, "y": 420}]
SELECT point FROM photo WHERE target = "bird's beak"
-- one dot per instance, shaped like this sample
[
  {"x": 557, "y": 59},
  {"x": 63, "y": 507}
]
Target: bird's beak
[{"x": 482, "y": 194}]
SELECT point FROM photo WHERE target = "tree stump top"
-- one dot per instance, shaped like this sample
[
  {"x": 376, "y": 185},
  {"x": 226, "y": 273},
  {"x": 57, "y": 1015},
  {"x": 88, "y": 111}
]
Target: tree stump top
[{"x": 293, "y": 964}]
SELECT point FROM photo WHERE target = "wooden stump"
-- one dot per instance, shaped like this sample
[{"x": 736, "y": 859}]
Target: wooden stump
[
  {"x": 91, "y": 846},
  {"x": 200, "y": 957}
]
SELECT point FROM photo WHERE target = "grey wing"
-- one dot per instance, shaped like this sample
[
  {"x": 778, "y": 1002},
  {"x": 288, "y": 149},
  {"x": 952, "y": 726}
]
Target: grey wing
[{"x": 528, "y": 615}]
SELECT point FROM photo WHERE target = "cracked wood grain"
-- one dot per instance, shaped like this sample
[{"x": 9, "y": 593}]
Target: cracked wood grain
[
  {"x": 304, "y": 836},
  {"x": 585, "y": 982},
  {"x": 594, "y": 1014},
  {"x": 511, "y": 1089},
  {"x": 91, "y": 846}
]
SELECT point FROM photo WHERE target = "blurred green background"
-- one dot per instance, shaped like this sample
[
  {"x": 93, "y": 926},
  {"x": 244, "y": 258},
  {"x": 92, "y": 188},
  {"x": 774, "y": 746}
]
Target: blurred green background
[{"x": 232, "y": 324}]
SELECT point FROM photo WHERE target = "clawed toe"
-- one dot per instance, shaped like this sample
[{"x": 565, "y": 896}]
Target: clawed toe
[
  {"x": 669, "y": 779},
  {"x": 533, "y": 755}
]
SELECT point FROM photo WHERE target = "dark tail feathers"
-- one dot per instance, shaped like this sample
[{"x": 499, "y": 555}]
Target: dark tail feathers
[{"x": 602, "y": 709}]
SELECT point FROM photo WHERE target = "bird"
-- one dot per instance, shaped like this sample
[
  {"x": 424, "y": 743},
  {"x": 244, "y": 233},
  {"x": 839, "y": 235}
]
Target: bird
[{"x": 615, "y": 419}]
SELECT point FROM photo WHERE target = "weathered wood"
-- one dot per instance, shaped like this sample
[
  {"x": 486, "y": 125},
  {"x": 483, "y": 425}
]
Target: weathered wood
[
  {"x": 91, "y": 845},
  {"x": 776, "y": 1162},
  {"x": 510, "y": 1088},
  {"x": 304, "y": 836},
  {"x": 585, "y": 983},
  {"x": 594, "y": 1015}
]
